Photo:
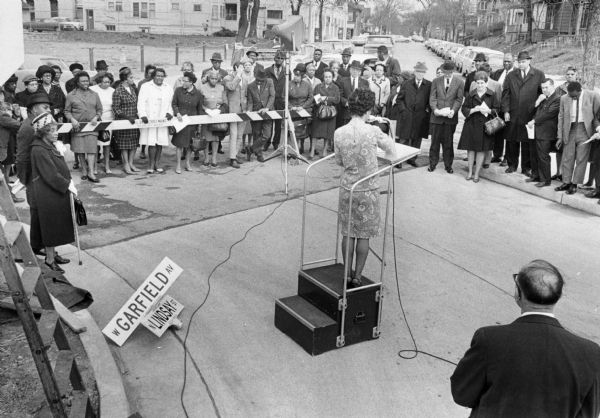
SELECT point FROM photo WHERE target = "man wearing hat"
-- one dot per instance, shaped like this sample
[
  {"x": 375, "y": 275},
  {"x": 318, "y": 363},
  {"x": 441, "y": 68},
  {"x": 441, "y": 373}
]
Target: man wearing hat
[
  {"x": 276, "y": 72},
  {"x": 318, "y": 64},
  {"x": 521, "y": 89},
  {"x": 31, "y": 83},
  {"x": 348, "y": 85},
  {"x": 261, "y": 98},
  {"x": 412, "y": 107},
  {"x": 445, "y": 100},
  {"x": 252, "y": 55},
  {"x": 500, "y": 75},
  {"x": 392, "y": 66},
  {"x": 480, "y": 59},
  {"x": 71, "y": 84},
  {"x": 216, "y": 61},
  {"x": 344, "y": 70}
]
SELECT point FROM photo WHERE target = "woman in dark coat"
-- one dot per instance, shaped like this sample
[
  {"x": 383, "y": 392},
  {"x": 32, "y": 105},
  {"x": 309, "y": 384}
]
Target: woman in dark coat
[
  {"x": 46, "y": 74},
  {"x": 187, "y": 100},
  {"x": 324, "y": 128},
  {"x": 51, "y": 222},
  {"x": 478, "y": 108},
  {"x": 124, "y": 106}
]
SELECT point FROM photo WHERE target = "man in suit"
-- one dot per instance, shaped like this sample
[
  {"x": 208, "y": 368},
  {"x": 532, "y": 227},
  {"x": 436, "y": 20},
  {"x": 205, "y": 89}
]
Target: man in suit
[
  {"x": 545, "y": 124},
  {"x": 252, "y": 55},
  {"x": 276, "y": 72},
  {"x": 577, "y": 122},
  {"x": 261, "y": 98},
  {"x": 521, "y": 89},
  {"x": 392, "y": 66},
  {"x": 413, "y": 110},
  {"x": 570, "y": 76},
  {"x": 344, "y": 70},
  {"x": 445, "y": 100},
  {"x": 216, "y": 61},
  {"x": 480, "y": 59},
  {"x": 500, "y": 76},
  {"x": 349, "y": 84},
  {"x": 318, "y": 64},
  {"x": 532, "y": 367}
]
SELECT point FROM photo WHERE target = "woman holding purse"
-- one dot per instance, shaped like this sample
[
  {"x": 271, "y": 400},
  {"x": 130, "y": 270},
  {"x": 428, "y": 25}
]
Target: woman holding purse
[
  {"x": 478, "y": 108},
  {"x": 327, "y": 96}
]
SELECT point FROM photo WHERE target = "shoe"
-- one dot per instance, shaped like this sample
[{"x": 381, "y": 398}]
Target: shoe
[
  {"x": 142, "y": 156},
  {"x": 563, "y": 187},
  {"x": 93, "y": 180},
  {"x": 593, "y": 194},
  {"x": 84, "y": 177},
  {"x": 196, "y": 156},
  {"x": 40, "y": 252},
  {"x": 411, "y": 162},
  {"x": 239, "y": 159},
  {"x": 220, "y": 151},
  {"x": 510, "y": 170},
  {"x": 542, "y": 184},
  {"x": 430, "y": 168},
  {"x": 213, "y": 164},
  {"x": 75, "y": 165},
  {"x": 61, "y": 260},
  {"x": 449, "y": 170},
  {"x": 234, "y": 164},
  {"x": 556, "y": 177},
  {"x": 54, "y": 267},
  {"x": 532, "y": 180},
  {"x": 178, "y": 170},
  {"x": 260, "y": 158},
  {"x": 475, "y": 179},
  {"x": 496, "y": 160},
  {"x": 528, "y": 173},
  {"x": 486, "y": 166},
  {"x": 504, "y": 163},
  {"x": 572, "y": 189},
  {"x": 159, "y": 170},
  {"x": 150, "y": 171},
  {"x": 469, "y": 178}
]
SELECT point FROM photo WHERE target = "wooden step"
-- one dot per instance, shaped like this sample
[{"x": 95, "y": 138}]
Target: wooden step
[
  {"x": 29, "y": 279},
  {"x": 47, "y": 326},
  {"x": 62, "y": 371},
  {"x": 81, "y": 406},
  {"x": 12, "y": 230}
]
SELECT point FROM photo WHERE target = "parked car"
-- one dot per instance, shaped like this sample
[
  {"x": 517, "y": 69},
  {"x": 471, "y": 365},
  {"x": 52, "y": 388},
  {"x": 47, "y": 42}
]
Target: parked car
[
  {"x": 359, "y": 40},
  {"x": 417, "y": 38},
  {"x": 334, "y": 45},
  {"x": 401, "y": 39},
  {"x": 53, "y": 24},
  {"x": 375, "y": 41}
]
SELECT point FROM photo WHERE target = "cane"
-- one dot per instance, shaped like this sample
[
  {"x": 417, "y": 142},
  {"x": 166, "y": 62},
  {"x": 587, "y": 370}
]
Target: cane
[{"x": 72, "y": 200}]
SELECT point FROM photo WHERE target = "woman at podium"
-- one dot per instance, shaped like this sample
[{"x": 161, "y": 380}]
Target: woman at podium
[{"x": 356, "y": 146}]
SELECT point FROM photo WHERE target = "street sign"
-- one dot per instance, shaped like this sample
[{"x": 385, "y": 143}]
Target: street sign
[
  {"x": 122, "y": 325},
  {"x": 163, "y": 315}
]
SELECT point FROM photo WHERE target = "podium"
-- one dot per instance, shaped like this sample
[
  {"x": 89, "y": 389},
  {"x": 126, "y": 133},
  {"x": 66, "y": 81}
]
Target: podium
[{"x": 325, "y": 314}]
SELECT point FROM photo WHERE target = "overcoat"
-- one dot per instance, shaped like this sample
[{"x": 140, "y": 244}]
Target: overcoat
[
  {"x": 50, "y": 182},
  {"x": 154, "y": 102},
  {"x": 325, "y": 128},
  {"x": 473, "y": 136},
  {"x": 518, "y": 99},
  {"x": 187, "y": 103},
  {"x": 124, "y": 107},
  {"x": 412, "y": 107}
]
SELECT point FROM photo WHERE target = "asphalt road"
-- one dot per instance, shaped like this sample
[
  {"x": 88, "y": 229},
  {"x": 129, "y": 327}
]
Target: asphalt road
[{"x": 457, "y": 244}]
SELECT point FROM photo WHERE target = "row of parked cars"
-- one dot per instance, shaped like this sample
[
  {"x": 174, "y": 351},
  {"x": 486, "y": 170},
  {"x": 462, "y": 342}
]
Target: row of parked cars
[{"x": 463, "y": 56}]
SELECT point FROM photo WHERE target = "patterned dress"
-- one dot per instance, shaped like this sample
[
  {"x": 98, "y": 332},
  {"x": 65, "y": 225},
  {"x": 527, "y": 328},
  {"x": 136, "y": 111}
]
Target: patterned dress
[
  {"x": 124, "y": 106},
  {"x": 214, "y": 97},
  {"x": 355, "y": 146}
]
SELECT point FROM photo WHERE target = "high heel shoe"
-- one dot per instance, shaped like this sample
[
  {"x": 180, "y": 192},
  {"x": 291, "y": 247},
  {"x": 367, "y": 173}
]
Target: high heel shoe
[{"x": 54, "y": 267}]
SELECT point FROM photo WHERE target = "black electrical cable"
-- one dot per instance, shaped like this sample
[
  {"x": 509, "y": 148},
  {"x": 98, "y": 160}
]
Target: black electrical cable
[
  {"x": 185, "y": 350},
  {"x": 415, "y": 352}
]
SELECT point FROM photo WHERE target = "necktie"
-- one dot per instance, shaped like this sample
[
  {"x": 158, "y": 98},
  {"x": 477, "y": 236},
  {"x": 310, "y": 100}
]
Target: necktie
[
  {"x": 523, "y": 74},
  {"x": 447, "y": 84},
  {"x": 353, "y": 83},
  {"x": 577, "y": 110}
]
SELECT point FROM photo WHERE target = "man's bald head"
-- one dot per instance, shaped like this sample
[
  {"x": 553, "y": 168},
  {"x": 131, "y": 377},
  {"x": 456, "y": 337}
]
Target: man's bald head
[{"x": 540, "y": 282}]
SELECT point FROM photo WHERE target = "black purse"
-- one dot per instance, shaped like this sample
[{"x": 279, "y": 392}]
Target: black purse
[{"x": 80, "y": 215}]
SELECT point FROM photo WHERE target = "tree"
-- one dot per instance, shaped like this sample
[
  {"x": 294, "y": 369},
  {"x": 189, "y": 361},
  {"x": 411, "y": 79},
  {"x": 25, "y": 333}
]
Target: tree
[
  {"x": 243, "y": 22},
  {"x": 386, "y": 11},
  {"x": 254, "y": 19},
  {"x": 296, "y": 5},
  {"x": 591, "y": 67}
]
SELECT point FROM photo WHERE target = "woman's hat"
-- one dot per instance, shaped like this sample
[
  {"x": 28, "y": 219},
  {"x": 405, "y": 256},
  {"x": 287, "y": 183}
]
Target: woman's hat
[
  {"x": 480, "y": 56},
  {"x": 12, "y": 79},
  {"x": 101, "y": 65},
  {"x": 420, "y": 67},
  {"x": 356, "y": 65},
  {"x": 28, "y": 78},
  {"x": 75, "y": 66},
  {"x": 523, "y": 55},
  {"x": 37, "y": 98},
  {"x": 42, "y": 120},
  {"x": 45, "y": 69},
  {"x": 300, "y": 68},
  {"x": 216, "y": 57},
  {"x": 251, "y": 50}
]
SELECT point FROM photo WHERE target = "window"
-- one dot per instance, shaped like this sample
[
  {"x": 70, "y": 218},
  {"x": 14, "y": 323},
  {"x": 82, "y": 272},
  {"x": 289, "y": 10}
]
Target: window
[
  {"x": 197, "y": 7},
  {"x": 274, "y": 14},
  {"x": 144, "y": 9},
  {"x": 111, "y": 5},
  {"x": 152, "y": 10},
  {"x": 136, "y": 9},
  {"x": 230, "y": 11},
  {"x": 111, "y": 27},
  {"x": 119, "y": 6},
  {"x": 215, "y": 12}
]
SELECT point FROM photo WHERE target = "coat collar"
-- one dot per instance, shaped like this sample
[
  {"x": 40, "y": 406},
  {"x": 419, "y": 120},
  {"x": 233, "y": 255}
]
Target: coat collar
[
  {"x": 40, "y": 143},
  {"x": 488, "y": 92},
  {"x": 538, "y": 319}
]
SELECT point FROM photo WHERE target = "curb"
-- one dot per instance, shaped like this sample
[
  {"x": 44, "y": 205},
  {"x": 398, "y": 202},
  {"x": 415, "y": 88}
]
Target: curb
[
  {"x": 111, "y": 393},
  {"x": 516, "y": 180}
]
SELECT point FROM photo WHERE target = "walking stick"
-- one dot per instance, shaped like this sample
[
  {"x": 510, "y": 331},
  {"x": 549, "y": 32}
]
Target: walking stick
[{"x": 72, "y": 201}]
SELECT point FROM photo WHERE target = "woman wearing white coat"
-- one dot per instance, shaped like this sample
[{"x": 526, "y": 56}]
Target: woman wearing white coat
[{"x": 154, "y": 102}]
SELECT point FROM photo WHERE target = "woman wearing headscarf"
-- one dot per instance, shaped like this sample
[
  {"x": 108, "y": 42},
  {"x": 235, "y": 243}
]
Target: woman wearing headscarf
[
  {"x": 51, "y": 222},
  {"x": 83, "y": 105},
  {"x": 104, "y": 90},
  {"x": 355, "y": 147},
  {"x": 215, "y": 102},
  {"x": 124, "y": 106},
  {"x": 327, "y": 94},
  {"x": 154, "y": 102},
  {"x": 187, "y": 101}
]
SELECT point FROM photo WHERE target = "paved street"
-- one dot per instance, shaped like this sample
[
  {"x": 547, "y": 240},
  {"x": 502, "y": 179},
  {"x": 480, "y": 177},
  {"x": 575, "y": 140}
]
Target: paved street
[{"x": 457, "y": 245}]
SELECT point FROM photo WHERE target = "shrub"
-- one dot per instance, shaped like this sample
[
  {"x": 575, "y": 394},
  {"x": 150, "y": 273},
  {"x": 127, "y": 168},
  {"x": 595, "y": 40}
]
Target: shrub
[{"x": 225, "y": 33}]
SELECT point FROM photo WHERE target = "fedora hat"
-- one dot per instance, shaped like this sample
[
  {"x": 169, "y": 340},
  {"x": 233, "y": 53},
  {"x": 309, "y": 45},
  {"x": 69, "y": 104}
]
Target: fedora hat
[
  {"x": 251, "y": 50},
  {"x": 448, "y": 66},
  {"x": 37, "y": 98},
  {"x": 101, "y": 65},
  {"x": 480, "y": 56},
  {"x": 356, "y": 65},
  {"x": 523, "y": 55},
  {"x": 260, "y": 74},
  {"x": 420, "y": 67},
  {"x": 75, "y": 66},
  {"x": 347, "y": 51},
  {"x": 383, "y": 49},
  {"x": 45, "y": 69},
  {"x": 216, "y": 57}
]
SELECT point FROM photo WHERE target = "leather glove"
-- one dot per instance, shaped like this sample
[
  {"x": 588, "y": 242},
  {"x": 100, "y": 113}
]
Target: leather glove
[
  {"x": 169, "y": 116},
  {"x": 131, "y": 120},
  {"x": 144, "y": 119}
]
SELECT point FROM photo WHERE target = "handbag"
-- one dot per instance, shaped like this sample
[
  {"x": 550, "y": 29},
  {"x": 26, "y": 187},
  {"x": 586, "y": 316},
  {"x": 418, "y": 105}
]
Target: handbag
[
  {"x": 326, "y": 111},
  {"x": 216, "y": 128},
  {"x": 104, "y": 136},
  {"x": 80, "y": 215},
  {"x": 198, "y": 142},
  {"x": 494, "y": 125}
]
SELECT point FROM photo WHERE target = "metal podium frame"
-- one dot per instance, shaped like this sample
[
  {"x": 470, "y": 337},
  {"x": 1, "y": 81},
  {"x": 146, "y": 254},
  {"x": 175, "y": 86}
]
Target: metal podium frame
[{"x": 389, "y": 168}]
